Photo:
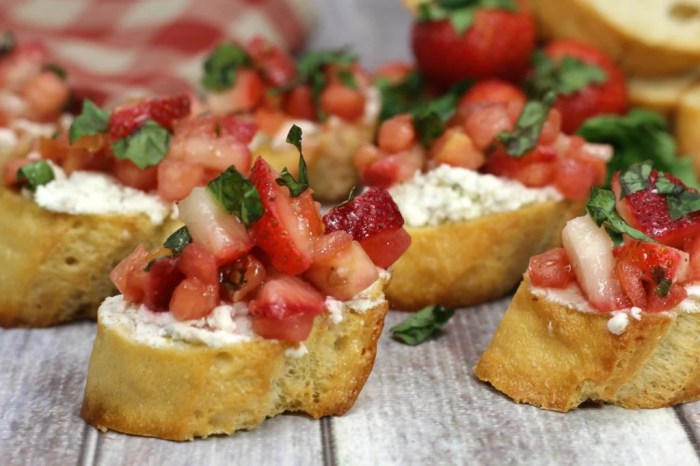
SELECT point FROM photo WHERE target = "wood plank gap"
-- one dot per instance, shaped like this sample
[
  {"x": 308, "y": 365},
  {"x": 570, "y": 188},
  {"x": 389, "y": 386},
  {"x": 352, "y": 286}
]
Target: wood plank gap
[
  {"x": 328, "y": 442},
  {"x": 690, "y": 432},
  {"x": 88, "y": 451}
]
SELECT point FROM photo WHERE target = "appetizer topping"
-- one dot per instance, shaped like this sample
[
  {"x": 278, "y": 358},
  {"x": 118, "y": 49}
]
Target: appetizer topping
[
  {"x": 221, "y": 66},
  {"x": 650, "y": 269},
  {"x": 34, "y": 174},
  {"x": 528, "y": 127},
  {"x": 422, "y": 325},
  {"x": 249, "y": 240},
  {"x": 468, "y": 39}
]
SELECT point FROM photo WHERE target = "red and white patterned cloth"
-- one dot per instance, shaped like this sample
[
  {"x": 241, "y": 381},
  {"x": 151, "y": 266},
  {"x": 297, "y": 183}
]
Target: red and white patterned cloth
[{"x": 114, "y": 47}]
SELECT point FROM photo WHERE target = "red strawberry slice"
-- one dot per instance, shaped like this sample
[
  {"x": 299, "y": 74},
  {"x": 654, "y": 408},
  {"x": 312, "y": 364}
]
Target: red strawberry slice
[
  {"x": 373, "y": 219},
  {"x": 242, "y": 130},
  {"x": 163, "y": 110},
  {"x": 285, "y": 308},
  {"x": 281, "y": 231},
  {"x": 647, "y": 211},
  {"x": 656, "y": 261}
]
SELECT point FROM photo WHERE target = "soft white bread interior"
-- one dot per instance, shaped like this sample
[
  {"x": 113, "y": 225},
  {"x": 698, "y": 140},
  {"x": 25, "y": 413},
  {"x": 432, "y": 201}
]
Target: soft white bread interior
[
  {"x": 647, "y": 38},
  {"x": 549, "y": 355},
  {"x": 56, "y": 266},
  {"x": 465, "y": 263},
  {"x": 184, "y": 390}
]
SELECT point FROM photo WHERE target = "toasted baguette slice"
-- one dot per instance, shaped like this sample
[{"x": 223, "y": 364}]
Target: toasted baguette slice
[
  {"x": 688, "y": 125},
  {"x": 56, "y": 266},
  {"x": 662, "y": 94},
  {"x": 555, "y": 357},
  {"x": 653, "y": 38},
  {"x": 184, "y": 390},
  {"x": 465, "y": 263}
]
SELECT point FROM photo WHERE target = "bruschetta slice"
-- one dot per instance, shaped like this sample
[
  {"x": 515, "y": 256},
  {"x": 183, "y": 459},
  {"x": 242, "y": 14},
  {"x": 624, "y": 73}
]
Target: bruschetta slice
[
  {"x": 252, "y": 309},
  {"x": 609, "y": 324}
]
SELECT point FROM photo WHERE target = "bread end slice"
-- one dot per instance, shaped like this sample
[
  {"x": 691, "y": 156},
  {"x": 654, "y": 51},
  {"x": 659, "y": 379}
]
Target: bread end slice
[
  {"x": 548, "y": 355},
  {"x": 184, "y": 390}
]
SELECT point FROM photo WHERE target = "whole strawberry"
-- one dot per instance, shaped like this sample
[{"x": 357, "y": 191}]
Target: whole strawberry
[
  {"x": 587, "y": 82},
  {"x": 473, "y": 39}
]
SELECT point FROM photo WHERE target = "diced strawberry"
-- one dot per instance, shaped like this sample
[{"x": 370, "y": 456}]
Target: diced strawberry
[
  {"x": 328, "y": 246},
  {"x": 285, "y": 307},
  {"x": 177, "y": 177},
  {"x": 197, "y": 262},
  {"x": 551, "y": 269},
  {"x": 386, "y": 247},
  {"x": 656, "y": 261},
  {"x": 344, "y": 274},
  {"x": 269, "y": 120},
  {"x": 219, "y": 232},
  {"x": 647, "y": 211},
  {"x": 167, "y": 110},
  {"x": 659, "y": 303},
  {"x": 365, "y": 156},
  {"x": 309, "y": 214},
  {"x": 396, "y": 134},
  {"x": 193, "y": 299},
  {"x": 241, "y": 278},
  {"x": 535, "y": 169},
  {"x": 280, "y": 232},
  {"x": 368, "y": 214},
  {"x": 242, "y": 130},
  {"x": 125, "y": 120},
  {"x": 277, "y": 66},
  {"x": 129, "y": 275},
  {"x": 244, "y": 96},
  {"x": 163, "y": 277}
]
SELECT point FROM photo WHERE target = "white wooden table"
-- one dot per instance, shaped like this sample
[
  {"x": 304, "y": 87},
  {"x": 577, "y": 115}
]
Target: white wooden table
[{"x": 421, "y": 405}]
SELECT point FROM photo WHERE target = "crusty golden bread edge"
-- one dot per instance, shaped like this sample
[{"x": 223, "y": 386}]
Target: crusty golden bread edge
[
  {"x": 687, "y": 125},
  {"x": 56, "y": 266},
  {"x": 548, "y": 355},
  {"x": 470, "y": 262},
  {"x": 576, "y": 19},
  {"x": 185, "y": 390}
]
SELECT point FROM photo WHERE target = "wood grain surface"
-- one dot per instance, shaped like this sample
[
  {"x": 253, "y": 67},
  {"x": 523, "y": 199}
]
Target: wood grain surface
[{"x": 421, "y": 405}]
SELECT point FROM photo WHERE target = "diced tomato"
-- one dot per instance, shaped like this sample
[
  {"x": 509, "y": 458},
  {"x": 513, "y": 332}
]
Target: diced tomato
[
  {"x": 296, "y": 328},
  {"x": 268, "y": 120},
  {"x": 241, "y": 278},
  {"x": 219, "y": 232},
  {"x": 129, "y": 275},
  {"x": 551, "y": 269},
  {"x": 394, "y": 72},
  {"x": 456, "y": 149},
  {"x": 492, "y": 91},
  {"x": 386, "y": 247},
  {"x": 197, "y": 262},
  {"x": 551, "y": 128},
  {"x": 128, "y": 174},
  {"x": 658, "y": 303},
  {"x": 574, "y": 179},
  {"x": 299, "y": 103},
  {"x": 484, "y": 124},
  {"x": 535, "y": 169},
  {"x": 193, "y": 299},
  {"x": 342, "y": 101},
  {"x": 344, "y": 274},
  {"x": 53, "y": 149},
  {"x": 692, "y": 247},
  {"x": 396, "y": 134},
  {"x": 177, "y": 177},
  {"x": 365, "y": 156},
  {"x": 630, "y": 276},
  {"x": 393, "y": 169},
  {"x": 163, "y": 277},
  {"x": 78, "y": 158},
  {"x": 280, "y": 232}
]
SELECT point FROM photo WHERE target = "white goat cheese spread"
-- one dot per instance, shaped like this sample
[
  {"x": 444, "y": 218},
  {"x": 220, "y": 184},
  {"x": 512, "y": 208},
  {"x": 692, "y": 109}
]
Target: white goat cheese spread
[
  {"x": 617, "y": 324},
  {"x": 227, "y": 324},
  {"x": 86, "y": 193},
  {"x": 448, "y": 195}
]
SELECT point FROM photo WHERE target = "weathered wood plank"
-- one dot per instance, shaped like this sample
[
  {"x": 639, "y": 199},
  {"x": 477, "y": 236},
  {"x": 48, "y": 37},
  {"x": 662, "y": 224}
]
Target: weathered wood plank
[
  {"x": 41, "y": 384},
  {"x": 422, "y": 405}
]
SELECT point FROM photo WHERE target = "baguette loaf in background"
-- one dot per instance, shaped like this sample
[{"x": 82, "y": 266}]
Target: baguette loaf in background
[{"x": 555, "y": 357}]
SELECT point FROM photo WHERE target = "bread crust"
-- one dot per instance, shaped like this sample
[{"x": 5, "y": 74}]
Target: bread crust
[
  {"x": 548, "y": 355},
  {"x": 629, "y": 43},
  {"x": 328, "y": 155},
  {"x": 470, "y": 262},
  {"x": 185, "y": 390},
  {"x": 56, "y": 266}
]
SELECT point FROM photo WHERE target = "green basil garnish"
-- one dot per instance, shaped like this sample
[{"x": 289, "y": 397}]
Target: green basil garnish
[
  {"x": 221, "y": 66},
  {"x": 399, "y": 97},
  {"x": 564, "y": 77},
  {"x": 35, "y": 174},
  {"x": 91, "y": 121},
  {"x": 296, "y": 187},
  {"x": 528, "y": 127},
  {"x": 57, "y": 70},
  {"x": 679, "y": 200},
  {"x": 145, "y": 147},
  {"x": 635, "y": 178},
  {"x": 601, "y": 207},
  {"x": 237, "y": 195},
  {"x": 422, "y": 325},
  {"x": 177, "y": 241},
  {"x": 460, "y": 13}
]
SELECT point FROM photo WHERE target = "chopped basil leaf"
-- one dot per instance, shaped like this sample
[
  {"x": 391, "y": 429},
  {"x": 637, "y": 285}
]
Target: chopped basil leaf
[
  {"x": 35, "y": 174},
  {"x": 510, "y": 5},
  {"x": 354, "y": 192},
  {"x": 177, "y": 241},
  {"x": 635, "y": 178},
  {"x": 347, "y": 77},
  {"x": 238, "y": 195},
  {"x": 663, "y": 288},
  {"x": 220, "y": 67},
  {"x": 57, "y": 70},
  {"x": 429, "y": 118},
  {"x": 296, "y": 187},
  {"x": 7, "y": 43},
  {"x": 528, "y": 127},
  {"x": 399, "y": 97},
  {"x": 146, "y": 147},
  {"x": 422, "y": 325},
  {"x": 565, "y": 77},
  {"x": 601, "y": 207},
  {"x": 680, "y": 201},
  {"x": 91, "y": 121},
  {"x": 636, "y": 137},
  {"x": 429, "y": 127},
  {"x": 462, "y": 19}
]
